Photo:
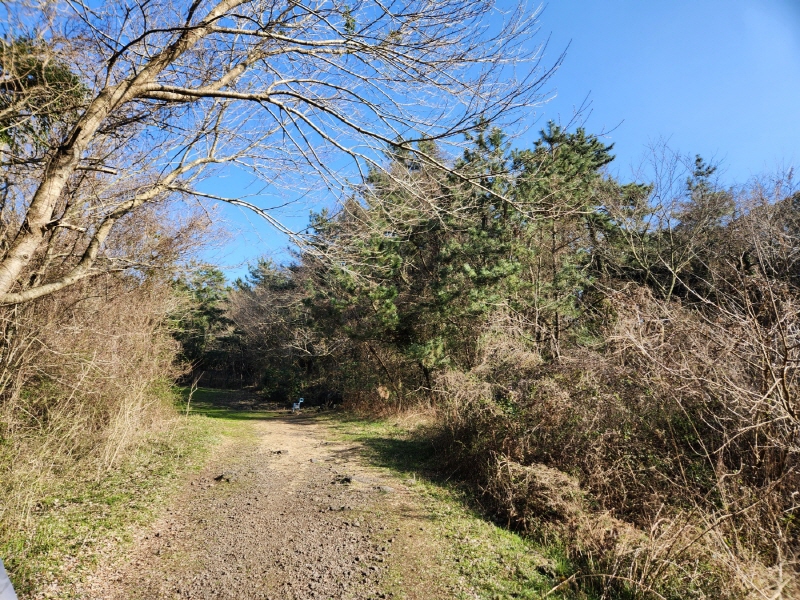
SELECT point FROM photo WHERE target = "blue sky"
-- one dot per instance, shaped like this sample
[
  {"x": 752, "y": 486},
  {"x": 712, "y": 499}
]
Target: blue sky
[
  {"x": 720, "y": 78},
  {"x": 717, "y": 77}
]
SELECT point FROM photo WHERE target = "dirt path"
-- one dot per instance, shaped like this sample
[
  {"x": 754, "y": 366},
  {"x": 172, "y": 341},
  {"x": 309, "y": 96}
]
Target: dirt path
[{"x": 282, "y": 511}]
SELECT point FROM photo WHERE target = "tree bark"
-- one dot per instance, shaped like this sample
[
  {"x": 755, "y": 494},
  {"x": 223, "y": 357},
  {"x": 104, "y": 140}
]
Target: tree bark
[{"x": 66, "y": 158}]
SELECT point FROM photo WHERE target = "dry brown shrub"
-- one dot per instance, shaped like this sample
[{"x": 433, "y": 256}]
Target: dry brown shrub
[
  {"x": 80, "y": 371},
  {"x": 502, "y": 346},
  {"x": 85, "y": 372},
  {"x": 731, "y": 369},
  {"x": 534, "y": 494},
  {"x": 645, "y": 461}
]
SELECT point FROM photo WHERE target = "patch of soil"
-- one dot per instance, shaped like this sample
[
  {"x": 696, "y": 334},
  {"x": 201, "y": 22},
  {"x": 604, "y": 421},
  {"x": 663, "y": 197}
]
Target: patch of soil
[{"x": 282, "y": 515}]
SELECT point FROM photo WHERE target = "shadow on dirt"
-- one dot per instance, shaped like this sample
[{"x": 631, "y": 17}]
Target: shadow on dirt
[
  {"x": 239, "y": 405},
  {"x": 405, "y": 452},
  {"x": 414, "y": 453}
]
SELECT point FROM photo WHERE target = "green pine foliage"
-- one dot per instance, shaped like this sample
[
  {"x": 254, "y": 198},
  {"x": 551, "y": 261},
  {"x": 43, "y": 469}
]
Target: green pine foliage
[
  {"x": 419, "y": 259},
  {"x": 202, "y": 315},
  {"x": 38, "y": 92}
]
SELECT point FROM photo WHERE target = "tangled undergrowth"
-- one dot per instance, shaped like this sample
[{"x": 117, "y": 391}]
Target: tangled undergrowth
[
  {"x": 659, "y": 486},
  {"x": 87, "y": 419}
]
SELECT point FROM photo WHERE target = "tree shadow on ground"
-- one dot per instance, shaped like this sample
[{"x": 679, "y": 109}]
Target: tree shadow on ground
[
  {"x": 239, "y": 405},
  {"x": 421, "y": 453},
  {"x": 417, "y": 452}
]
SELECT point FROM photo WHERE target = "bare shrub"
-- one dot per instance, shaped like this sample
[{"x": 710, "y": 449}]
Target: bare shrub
[
  {"x": 85, "y": 377},
  {"x": 675, "y": 487},
  {"x": 79, "y": 369}
]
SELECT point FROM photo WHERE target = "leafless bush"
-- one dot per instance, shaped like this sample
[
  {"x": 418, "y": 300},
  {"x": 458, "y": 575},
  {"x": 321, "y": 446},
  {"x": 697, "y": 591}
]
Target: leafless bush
[
  {"x": 717, "y": 371},
  {"x": 85, "y": 372},
  {"x": 683, "y": 450},
  {"x": 79, "y": 370}
]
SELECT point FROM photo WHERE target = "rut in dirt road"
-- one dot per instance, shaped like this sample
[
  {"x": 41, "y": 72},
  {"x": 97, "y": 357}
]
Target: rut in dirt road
[{"x": 283, "y": 515}]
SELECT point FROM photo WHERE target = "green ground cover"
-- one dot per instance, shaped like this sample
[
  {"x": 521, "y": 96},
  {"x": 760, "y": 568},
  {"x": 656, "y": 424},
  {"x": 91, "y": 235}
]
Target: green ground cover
[
  {"x": 79, "y": 514},
  {"x": 498, "y": 563}
]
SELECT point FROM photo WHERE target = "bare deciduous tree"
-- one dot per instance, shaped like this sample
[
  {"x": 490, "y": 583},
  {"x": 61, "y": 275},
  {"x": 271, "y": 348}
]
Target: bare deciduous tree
[{"x": 165, "y": 94}]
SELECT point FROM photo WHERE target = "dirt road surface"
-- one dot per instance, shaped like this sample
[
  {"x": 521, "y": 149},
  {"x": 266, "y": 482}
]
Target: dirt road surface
[{"x": 283, "y": 511}]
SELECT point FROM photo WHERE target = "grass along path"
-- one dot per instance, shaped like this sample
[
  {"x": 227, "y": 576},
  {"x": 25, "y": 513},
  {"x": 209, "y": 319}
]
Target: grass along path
[
  {"x": 476, "y": 557},
  {"x": 84, "y": 514},
  {"x": 309, "y": 506}
]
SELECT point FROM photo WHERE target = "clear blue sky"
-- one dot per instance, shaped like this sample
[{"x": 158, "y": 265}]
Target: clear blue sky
[{"x": 719, "y": 78}]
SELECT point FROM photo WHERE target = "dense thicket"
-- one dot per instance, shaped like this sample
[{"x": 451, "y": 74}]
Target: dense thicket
[
  {"x": 615, "y": 364},
  {"x": 86, "y": 391}
]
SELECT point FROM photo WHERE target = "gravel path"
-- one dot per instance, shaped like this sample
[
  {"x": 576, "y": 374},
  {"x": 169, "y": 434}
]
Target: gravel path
[{"x": 281, "y": 514}]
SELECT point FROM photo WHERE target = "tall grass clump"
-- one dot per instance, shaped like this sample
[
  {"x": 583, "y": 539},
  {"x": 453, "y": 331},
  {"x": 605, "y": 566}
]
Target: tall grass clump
[{"x": 83, "y": 375}]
